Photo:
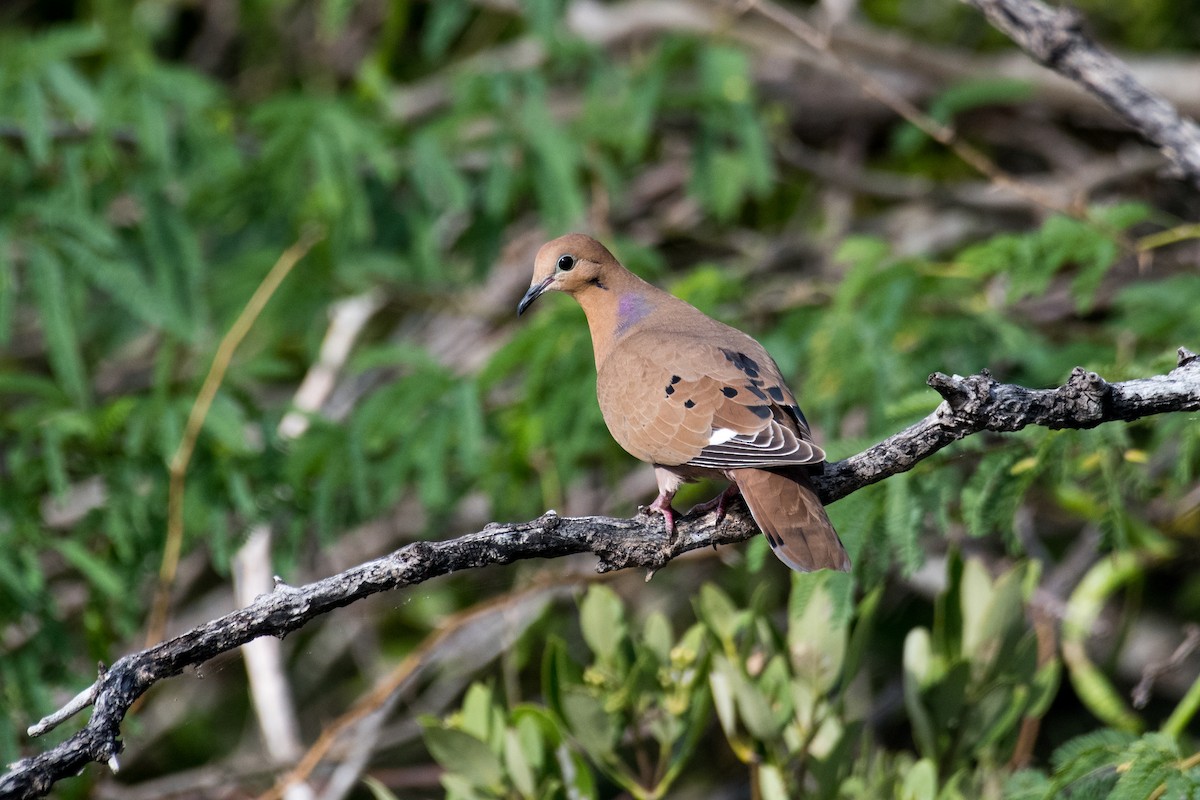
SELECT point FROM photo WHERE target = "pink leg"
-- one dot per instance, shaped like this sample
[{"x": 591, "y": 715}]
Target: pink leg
[
  {"x": 668, "y": 484},
  {"x": 662, "y": 505},
  {"x": 720, "y": 503}
]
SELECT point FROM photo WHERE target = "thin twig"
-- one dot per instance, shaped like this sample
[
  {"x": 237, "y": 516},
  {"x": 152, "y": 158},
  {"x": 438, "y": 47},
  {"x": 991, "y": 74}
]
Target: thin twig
[
  {"x": 1056, "y": 39},
  {"x": 1191, "y": 641},
  {"x": 939, "y": 132},
  {"x": 191, "y": 432}
]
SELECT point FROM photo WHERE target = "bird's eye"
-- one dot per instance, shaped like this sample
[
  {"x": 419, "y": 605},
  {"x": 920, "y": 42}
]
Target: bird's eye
[{"x": 566, "y": 263}]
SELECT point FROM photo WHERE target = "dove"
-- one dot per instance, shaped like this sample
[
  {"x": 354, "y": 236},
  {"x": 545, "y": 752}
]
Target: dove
[{"x": 696, "y": 399}]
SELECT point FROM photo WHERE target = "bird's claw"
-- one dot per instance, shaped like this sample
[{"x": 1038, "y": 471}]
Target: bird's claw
[
  {"x": 719, "y": 504},
  {"x": 662, "y": 506}
]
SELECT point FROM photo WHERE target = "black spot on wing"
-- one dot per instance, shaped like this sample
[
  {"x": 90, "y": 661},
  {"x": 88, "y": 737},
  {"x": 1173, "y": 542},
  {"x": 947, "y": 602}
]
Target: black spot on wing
[
  {"x": 670, "y": 390},
  {"x": 742, "y": 361},
  {"x": 776, "y": 394},
  {"x": 729, "y": 391},
  {"x": 689, "y": 404},
  {"x": 757, "y": 392},
  {"x": 799, "y": 415},
  {"x": 762, "y": 412},
  {"x": 675, "y": 379}
]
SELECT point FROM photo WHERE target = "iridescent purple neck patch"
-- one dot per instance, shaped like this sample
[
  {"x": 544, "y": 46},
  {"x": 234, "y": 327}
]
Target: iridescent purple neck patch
[{"x": 630, "y": 309}]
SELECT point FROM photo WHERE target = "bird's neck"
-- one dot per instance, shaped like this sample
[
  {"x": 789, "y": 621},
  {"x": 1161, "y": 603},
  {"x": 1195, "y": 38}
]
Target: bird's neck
[{"x": 614, "y": 307}]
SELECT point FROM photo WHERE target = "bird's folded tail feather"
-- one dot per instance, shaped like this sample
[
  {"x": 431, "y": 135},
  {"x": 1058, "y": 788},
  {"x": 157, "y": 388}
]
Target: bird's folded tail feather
[{"x": 791, "y": 516}]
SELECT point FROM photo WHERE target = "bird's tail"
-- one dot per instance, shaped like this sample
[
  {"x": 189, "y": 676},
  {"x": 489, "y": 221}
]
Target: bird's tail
[{"x": 789, "y": 513}]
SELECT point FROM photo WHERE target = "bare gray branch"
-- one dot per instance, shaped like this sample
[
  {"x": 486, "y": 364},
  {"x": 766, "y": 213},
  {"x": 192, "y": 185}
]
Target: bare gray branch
[
  {"x": 971, "y": 404},
  {"x": 1056, "y": 39}
]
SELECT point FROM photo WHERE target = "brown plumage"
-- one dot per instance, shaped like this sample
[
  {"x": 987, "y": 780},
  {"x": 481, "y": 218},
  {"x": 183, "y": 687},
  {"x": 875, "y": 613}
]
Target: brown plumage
[{"x": 695, "y": 398}]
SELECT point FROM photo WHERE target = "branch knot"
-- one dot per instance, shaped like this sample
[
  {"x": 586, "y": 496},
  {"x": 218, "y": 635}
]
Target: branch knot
[
  {"x": 966, "y": 397},
  {"x": 1084, "y": 397}
]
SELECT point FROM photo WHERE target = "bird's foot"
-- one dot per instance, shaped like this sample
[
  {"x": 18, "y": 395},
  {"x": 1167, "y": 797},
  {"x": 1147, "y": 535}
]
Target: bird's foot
[
  {"x": 662, "y": 506},
  {"x": 719, "y": 504}
]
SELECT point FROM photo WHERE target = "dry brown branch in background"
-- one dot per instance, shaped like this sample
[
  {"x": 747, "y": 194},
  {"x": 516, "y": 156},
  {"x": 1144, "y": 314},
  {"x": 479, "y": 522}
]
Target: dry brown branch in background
[
  {"x": 1055, "y": 37},
  {"x": 941, "y": 133},
  {"x": 204, "y": 400}
]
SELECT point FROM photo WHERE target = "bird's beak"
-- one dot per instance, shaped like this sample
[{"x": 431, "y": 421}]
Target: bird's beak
[{"x": 534, "y": 293}]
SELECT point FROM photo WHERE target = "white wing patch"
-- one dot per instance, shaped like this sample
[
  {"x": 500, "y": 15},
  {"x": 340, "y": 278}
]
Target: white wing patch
[
  {"x": 773, "y": 446},
  {"x": 721, "y": 435}
]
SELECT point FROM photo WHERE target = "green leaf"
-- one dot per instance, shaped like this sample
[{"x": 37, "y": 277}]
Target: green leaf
[
  {"x": 986, "y": 507},
  {"x": 1083, "y": 608},
  {"x": 594, "y": 728},
  {"x": 920, "y": 782},
  {"x": 436, "y": 176},
  {"x": 446, "y": 21},
  {"x": 577, "y": 775},
  {"x": 602, "y": 620},
  {"x": 517, "y": 764},
  {"x": 555, "y": 161},
  {"x": 817, "y": 639},
  {"x": 753, "y": 706},
  {"x": 1150, "y": 761},
  {"x": 558, "y": 673},
  {"x": 958, "y": 98},
  {"x": 227, "y": 424},
  {"x": 721, "y": 683},
  {"x": 861, "y": 636},
  {"x": 465, "y": 755},
  {"x": 8, "y": 288},
  {"x": 990, "y": 610},
  {"x": 1027, "y": 784},
  {"x": 902, "y": 519},
  {"x": 100, "y": 574},
  {"x": 770, "y": 783},
  {"x": 657, "y": 636},
  {"x": 69, "y": 87},
  {"x": 33, "y": 115},
  {"x": 58, "y": 322},
  {"x": 477, "y": 712},
  {"x": 377, "y": 789},
  {"x": 719, "y": 614},
  {"x": 917, "y": 670},
  {"x": 974, "y": 595},
  {"x": 1089, "y": 757}
]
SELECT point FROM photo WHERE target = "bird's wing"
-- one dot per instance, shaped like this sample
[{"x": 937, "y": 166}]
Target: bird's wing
[{"x": 714, "y": 400}]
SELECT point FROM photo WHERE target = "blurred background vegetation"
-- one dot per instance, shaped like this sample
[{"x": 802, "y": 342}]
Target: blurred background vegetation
[{"x": 1016, "y": 602}]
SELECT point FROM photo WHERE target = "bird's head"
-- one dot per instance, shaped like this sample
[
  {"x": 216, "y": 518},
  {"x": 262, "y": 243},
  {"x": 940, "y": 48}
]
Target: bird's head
[{"x": 571, "y": 264}]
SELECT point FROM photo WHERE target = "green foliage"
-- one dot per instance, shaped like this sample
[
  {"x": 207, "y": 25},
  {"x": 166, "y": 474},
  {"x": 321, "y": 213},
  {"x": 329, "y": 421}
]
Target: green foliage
[
  {"x": 650, "y": 684},
  {"x": 970, "y": 680},
  {"x": 488, "y": 752},
  {"x": 1083, "y": 610},
  {"x": 144, "y": 201},
  {"x": 789, "y": 700},
  {"x": 958, "y": 99},
  {"x": 645, "y": 682},
  {"x": 1029, "y": 262},
  {"x": 144, "y": 193},
  {"x": 923, "y": 315},
  {"x": 1111, "y": 765}
]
